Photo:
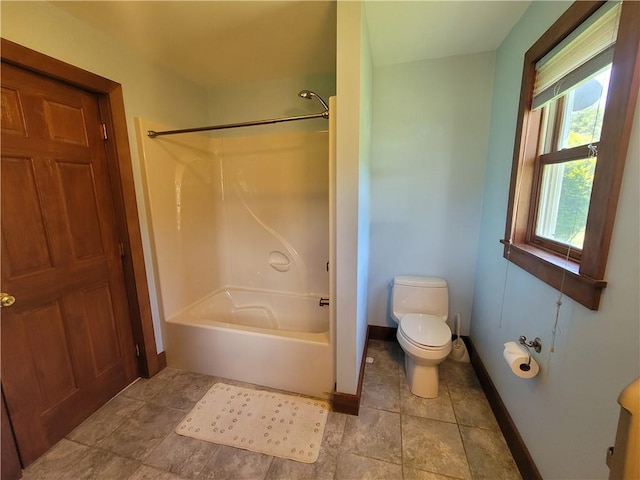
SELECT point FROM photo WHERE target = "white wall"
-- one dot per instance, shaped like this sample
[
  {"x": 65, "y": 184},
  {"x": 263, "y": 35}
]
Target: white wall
[
  {"x": 364, "y": 183},
  {"x": 149, "y": 91},
  {"x": 430, "y": 135},
  {"x": 567, "y": 415},
  {"x": 352, "y": 172}
]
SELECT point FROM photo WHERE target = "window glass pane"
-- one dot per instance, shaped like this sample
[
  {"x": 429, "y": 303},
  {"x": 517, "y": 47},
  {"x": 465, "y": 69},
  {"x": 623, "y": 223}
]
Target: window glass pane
[
  {"x": 583, "y": 111},
  {"x": 564, "y": 201}
]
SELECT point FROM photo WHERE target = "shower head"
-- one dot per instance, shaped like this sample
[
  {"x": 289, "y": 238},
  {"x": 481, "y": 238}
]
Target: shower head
[{"x": 308, "y": 94}]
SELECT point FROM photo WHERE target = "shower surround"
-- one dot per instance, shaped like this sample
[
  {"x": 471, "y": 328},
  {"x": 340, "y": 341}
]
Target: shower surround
[{"x": 240, "y": 239}]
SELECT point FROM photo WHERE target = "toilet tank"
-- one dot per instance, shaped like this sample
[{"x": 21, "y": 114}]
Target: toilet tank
[{"x": 413, "y": 294}]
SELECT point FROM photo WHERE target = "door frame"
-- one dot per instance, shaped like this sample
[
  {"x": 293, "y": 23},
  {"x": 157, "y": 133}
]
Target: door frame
[{"x": 111, "y": 102}]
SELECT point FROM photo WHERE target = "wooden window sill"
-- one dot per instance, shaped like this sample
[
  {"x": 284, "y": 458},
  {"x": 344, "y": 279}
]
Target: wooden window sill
[{"x": 556, "y": 271}]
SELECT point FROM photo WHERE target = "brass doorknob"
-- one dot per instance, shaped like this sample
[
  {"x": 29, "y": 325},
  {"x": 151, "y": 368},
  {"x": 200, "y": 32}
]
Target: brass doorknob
[{"x": 7, "y": 300}]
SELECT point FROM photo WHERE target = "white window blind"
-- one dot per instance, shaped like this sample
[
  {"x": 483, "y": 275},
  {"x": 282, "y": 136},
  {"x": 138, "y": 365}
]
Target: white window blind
[{"x": 582, "y": 54}]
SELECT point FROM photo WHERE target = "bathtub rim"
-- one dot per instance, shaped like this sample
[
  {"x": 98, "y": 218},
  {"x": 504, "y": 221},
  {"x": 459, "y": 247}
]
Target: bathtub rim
[{"x": 184, "y": 317}]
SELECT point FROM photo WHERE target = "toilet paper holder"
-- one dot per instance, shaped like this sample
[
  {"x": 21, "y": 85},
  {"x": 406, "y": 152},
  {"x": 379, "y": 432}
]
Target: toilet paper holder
[{"x": 536, "y": 343}]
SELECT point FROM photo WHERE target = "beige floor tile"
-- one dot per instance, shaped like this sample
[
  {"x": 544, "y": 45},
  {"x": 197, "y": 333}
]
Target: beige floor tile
[
  {"x": 62, "y": 456},
  {"x": 488, "y": 455},
  {"x": 471, "y": 407},
  {"x": 439, "y": 408},
  {"x": 354, "y": 467},
  {"x": 147, "y": 388},
  {"x": 433, "y": 446},
  {"x": 381, "y": 391},
  {"x": 149, "y": 473},
  {"x": 323, "y": 469},
  {"x": 374, "y": 434},
  {"x": 385, "y": 357},
  {"x": 334, "y": 430},
  {"x": 397, "y": 434},
  {"x": 184, "y": 456},
  {"x": 184, "y": 389},
  {"x": 143, "y": 431},
  {"x": 102, "y": 423},
  {"x": 100, "y": 464},
  {"x": 458, "y": 373},
  {"x": 415, "y": 474},
  {"x": 228, "y": 463}
]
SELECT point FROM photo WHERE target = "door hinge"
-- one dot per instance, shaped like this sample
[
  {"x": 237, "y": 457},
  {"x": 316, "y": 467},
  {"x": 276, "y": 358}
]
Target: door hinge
[
  {"x": 104, "y": 132},
  {"x": 122, "y": 253},
  {"x": 137, "y": 350}
]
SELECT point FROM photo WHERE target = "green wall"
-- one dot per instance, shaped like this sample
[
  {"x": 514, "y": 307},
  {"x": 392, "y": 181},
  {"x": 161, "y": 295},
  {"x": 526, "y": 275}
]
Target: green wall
[{"x": 568, "y": 414}]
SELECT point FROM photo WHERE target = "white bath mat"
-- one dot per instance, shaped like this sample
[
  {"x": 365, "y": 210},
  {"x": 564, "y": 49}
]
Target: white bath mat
[{"x": 280, "y": 425}]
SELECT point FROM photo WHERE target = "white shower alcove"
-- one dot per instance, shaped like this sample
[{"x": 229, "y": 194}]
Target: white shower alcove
[{"x": 239, "y": 231}]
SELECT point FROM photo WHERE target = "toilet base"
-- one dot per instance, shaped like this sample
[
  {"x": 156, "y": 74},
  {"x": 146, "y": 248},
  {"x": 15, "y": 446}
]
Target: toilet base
[{"x": 422, "y": 379}]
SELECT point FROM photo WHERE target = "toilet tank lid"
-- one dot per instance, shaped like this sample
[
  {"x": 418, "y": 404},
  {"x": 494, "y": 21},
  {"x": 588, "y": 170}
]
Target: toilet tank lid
[{"x": 415, "y": 281}]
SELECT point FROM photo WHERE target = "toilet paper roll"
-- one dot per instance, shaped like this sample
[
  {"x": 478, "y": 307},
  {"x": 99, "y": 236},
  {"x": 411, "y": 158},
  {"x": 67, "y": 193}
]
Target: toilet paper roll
[{"x": 517, "y": 358}]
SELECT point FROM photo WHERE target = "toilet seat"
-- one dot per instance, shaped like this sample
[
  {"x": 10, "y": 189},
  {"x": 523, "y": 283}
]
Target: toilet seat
[{"x": 425, "y": 331}]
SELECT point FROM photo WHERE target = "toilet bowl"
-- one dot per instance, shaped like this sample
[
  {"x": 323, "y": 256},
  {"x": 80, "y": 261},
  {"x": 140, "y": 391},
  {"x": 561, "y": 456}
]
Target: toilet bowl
[
  {"x": 425, "y": 347},
  {"x": 420, "y": 307}
]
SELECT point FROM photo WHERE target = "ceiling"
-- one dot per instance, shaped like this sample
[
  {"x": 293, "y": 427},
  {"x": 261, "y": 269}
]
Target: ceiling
[
  {"x": 221, "y": 42},
  {"x": 407, "y": 31},
  {"x": 216, "y": 43}
]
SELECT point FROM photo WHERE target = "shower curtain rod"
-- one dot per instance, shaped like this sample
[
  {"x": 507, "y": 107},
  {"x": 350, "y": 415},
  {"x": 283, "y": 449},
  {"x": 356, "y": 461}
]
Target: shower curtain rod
[{"x": 154, "y": 134}]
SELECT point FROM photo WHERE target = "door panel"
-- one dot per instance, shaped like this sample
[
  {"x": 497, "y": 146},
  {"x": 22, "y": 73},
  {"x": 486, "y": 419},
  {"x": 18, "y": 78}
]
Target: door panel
[
  {"x": 45, "y": 332},
  {"x": 102, "y": 332},
  {"x": 27, "y": 223},
  {"x": 67, "y": 345},
  {"x": 65, "y": 123},
  {"x": 12, "y": 119},
  {"x": 80, "y": 209}
]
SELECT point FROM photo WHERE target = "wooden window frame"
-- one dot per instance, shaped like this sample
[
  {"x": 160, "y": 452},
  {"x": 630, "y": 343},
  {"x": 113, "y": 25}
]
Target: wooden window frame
[
  {"x": 581, "y": 278},
  {"x": 552, "y": 158}
]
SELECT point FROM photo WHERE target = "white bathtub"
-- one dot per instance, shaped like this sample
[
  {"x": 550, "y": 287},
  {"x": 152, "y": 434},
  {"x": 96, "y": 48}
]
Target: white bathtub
[{"x": 267, "y": 338}]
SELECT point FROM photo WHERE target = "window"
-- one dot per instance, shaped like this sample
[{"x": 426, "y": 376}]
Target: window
[
  {"x": 579, "y": 90},
  {"x": 564, "y": 170}
]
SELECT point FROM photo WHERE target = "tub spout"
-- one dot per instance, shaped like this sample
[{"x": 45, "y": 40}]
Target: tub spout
[{"x": 324, "y": 301}]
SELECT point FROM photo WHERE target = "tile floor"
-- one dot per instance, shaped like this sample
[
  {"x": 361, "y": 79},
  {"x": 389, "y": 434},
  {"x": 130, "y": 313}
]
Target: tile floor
[{"x": 396, "y": 436}]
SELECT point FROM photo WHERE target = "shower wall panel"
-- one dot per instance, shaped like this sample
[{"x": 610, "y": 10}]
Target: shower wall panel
[
  {"x": 249, "y": 212},
  {"x": 276, "y": 191},
  {"x": 182, "y": 181}
]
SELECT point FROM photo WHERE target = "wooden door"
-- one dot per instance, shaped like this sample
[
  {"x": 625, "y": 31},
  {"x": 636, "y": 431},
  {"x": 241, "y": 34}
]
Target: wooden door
[{"x": 67, "y": 344}]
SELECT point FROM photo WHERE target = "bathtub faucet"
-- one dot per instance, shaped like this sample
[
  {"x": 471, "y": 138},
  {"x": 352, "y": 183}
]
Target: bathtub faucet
[{"x": 324, "y": 301}]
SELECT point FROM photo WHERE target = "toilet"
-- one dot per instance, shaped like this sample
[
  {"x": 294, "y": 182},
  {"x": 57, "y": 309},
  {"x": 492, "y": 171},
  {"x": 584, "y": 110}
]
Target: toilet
[{"x": 420, "y": 306}]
